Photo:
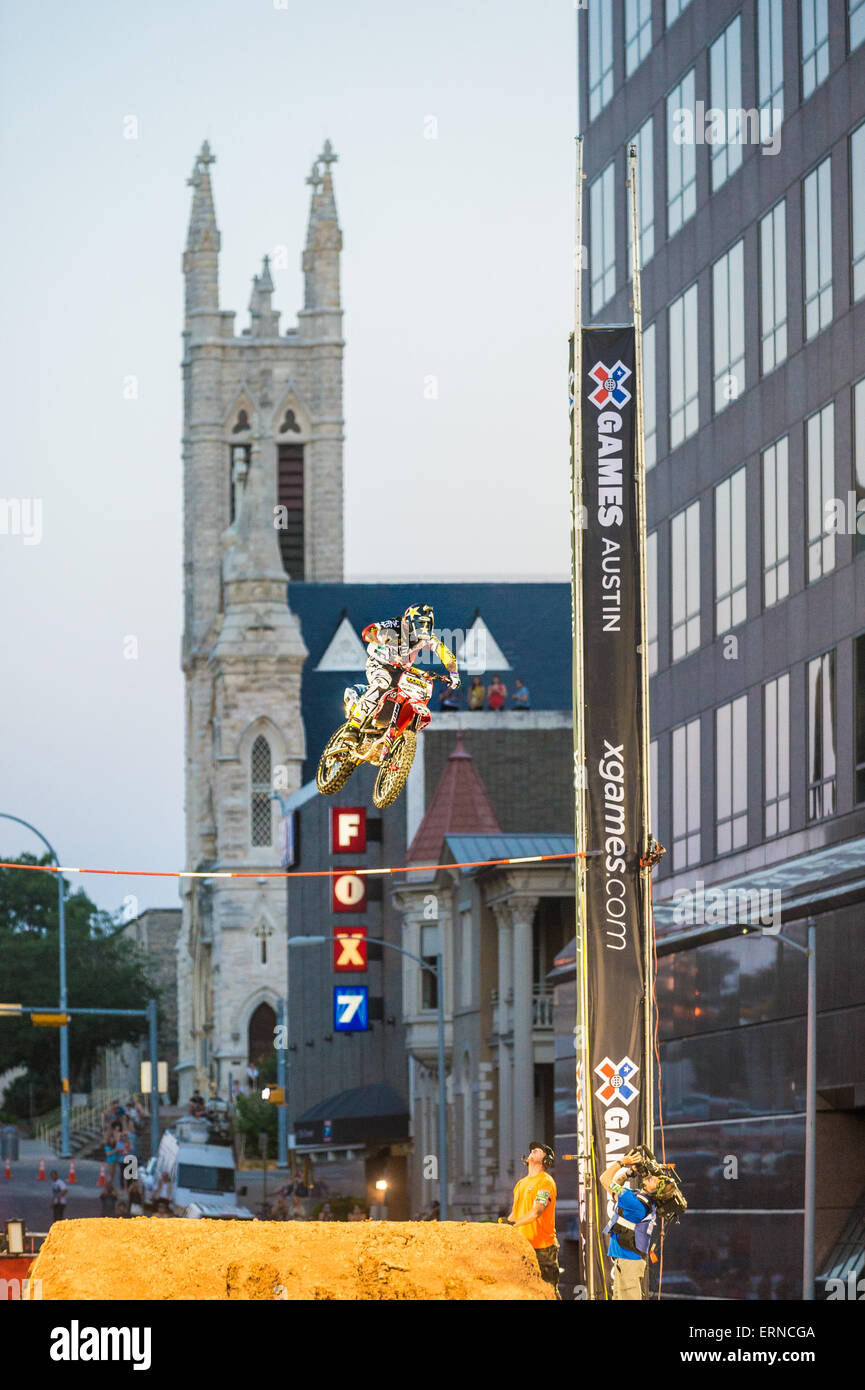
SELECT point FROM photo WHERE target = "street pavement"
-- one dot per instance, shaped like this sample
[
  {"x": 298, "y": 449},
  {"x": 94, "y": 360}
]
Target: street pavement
[{"x": 23, "y": 1197}]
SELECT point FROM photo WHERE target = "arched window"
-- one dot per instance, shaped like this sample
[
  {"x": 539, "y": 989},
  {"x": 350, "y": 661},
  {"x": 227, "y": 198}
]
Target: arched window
[
  {"x": 261, "y": 814},
  {"x": 260, "y": 1035}
]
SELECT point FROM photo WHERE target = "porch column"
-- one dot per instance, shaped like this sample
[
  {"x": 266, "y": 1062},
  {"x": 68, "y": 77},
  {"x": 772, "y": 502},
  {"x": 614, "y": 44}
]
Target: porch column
[{"x": 522, "y": 916}]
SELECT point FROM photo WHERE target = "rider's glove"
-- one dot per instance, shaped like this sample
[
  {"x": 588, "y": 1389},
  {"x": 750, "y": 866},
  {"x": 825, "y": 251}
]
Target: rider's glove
[{"x": 454, "y": 680}]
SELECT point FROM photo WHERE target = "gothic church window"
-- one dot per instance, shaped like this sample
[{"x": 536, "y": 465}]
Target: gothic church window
[
  {"x": 239, "y": 468},
  {"x": 242, "y": 422},
  {"x": 261, "y": 814},
  {"x": 289, "y": 423}
]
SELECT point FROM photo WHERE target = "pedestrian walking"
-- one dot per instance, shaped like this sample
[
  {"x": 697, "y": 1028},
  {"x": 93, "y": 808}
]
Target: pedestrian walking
[{"x": 59, "y": 1193}]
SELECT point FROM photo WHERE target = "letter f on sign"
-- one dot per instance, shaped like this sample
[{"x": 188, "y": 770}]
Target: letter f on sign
[{"x": 348, "y": 829}]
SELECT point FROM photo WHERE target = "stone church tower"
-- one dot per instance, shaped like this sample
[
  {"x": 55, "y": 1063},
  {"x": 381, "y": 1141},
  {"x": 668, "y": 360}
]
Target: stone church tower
[{"x": 262, "y": 469}]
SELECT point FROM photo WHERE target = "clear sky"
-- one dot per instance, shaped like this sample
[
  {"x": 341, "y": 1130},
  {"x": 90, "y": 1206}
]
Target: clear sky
[{"x": 457, "y": 264}]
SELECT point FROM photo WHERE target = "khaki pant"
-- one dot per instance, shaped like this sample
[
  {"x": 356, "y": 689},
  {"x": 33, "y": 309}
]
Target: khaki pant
[
  {"x": 548, "y": 1264},
  {"x": 627, "y": 1279}
]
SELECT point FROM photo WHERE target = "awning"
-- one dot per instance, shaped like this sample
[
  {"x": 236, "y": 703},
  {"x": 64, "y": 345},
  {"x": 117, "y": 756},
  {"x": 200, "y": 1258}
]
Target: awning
[{"x": 361, "y": 1116}]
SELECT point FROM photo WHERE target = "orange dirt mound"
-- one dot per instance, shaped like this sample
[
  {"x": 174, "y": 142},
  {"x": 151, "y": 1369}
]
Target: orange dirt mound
[{"x": 148, "y": 1258}]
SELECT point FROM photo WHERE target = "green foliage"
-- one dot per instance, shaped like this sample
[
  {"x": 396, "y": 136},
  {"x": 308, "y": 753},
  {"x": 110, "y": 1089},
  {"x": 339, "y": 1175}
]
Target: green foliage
[
  {"x": 43, "y": 1089},
  {"x": 103, "y": 968},
  {"x": 254, "y": 1116}
]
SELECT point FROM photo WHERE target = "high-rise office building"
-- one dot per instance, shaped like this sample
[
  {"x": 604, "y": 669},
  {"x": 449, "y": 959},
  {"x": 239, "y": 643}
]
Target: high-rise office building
[{"x": 749, "y": 121}]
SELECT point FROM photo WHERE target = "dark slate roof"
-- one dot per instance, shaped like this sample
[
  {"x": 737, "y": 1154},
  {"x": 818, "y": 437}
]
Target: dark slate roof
[
  {"x": 516, "y": 614},
  {"x": 359, "y": 1102},
  {"x": 468, "y": 849}
]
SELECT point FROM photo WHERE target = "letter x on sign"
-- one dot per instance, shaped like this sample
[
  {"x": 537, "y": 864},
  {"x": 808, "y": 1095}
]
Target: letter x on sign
[{"x": 349, "y": 948}]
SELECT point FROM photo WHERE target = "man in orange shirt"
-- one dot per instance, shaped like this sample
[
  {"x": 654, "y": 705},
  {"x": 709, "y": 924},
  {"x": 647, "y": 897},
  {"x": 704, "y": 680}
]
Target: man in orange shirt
[{"x": 534, "y": 1211}]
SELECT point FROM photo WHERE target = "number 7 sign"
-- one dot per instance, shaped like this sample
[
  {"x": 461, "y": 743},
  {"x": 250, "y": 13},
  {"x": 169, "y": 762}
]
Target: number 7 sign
[{"x": 350, "y": 1009}]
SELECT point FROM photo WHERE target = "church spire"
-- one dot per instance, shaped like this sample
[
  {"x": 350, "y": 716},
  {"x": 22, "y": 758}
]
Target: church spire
[
  {"x": 263, "y": 318},
  {"x": 201, "y": 257},
  {"x": 323, "y": 238}
]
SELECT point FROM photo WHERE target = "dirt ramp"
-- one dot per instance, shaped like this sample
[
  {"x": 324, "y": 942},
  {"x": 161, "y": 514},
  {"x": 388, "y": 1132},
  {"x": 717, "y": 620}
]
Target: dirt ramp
[{"x": 148, "y": 1258}]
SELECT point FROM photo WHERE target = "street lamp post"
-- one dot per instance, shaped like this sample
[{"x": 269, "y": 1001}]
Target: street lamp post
[
  {"x": 437, "y": 972},
  {"x": 65, "y": 1099}
]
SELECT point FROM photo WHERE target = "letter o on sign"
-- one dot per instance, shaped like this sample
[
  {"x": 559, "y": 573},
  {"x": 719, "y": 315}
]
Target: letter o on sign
[{"x": 349, "y": 893}]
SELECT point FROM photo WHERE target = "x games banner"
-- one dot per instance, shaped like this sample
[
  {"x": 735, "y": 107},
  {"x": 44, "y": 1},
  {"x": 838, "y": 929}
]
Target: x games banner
[{"x": 609, "y": 588}]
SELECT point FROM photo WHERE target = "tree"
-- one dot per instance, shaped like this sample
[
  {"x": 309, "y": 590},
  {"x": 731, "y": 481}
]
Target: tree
[{"x": 103, "y": 969}]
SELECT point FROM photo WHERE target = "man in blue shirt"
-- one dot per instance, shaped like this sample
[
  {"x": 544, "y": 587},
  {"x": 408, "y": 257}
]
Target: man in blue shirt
[{"x": 632, "y": 1207}]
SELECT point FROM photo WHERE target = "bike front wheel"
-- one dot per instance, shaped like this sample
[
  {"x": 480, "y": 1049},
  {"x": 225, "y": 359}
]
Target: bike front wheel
[{"x": 335, "y": 765}]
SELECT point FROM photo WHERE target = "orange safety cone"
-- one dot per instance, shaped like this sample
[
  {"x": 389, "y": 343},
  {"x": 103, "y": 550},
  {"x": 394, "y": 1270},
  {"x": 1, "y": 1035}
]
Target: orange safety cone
[
  {"x": 8, "y": 1170},
  {"x": 100, "y": 1181},
  {"x": 40, "y": 1176},
  {"x": 72, "y": 1177}
]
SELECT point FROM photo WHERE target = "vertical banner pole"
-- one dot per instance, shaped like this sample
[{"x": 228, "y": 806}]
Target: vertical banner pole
[
  {"x": 640, "y": 475},
  {"x": 581, "y": 1035}
]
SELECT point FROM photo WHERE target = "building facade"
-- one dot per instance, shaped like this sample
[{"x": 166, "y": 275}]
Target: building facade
[
  {"x": 262, "y": 461},
  {"x": 749, "y": 121}
]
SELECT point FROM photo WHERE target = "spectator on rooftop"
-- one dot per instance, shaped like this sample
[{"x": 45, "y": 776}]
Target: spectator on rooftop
[
  {"x": 520, "y": 697},
  {"x": 476, "y": 693},
  {"x": 497, "y": 693}
]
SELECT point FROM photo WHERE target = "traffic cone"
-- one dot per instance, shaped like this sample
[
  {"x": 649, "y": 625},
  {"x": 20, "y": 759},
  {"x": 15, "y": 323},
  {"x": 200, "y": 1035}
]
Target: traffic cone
[
  {"x": 40, "y": 1176},
  {"x": 100, "y": 1181},
  {"x": 72, "y": 1177},
  {"x": 8, "y": 1170}
]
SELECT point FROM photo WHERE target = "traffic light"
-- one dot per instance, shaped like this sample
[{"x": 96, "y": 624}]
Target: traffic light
[{"x": 274, "y": 1094}]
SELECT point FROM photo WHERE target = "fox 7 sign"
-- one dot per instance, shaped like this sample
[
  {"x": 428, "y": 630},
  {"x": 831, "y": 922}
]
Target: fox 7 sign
[
  {"x": 347, "y": 829},
  {"x": 350, "y": 1009},
  {"x": 349, "y": 948}
]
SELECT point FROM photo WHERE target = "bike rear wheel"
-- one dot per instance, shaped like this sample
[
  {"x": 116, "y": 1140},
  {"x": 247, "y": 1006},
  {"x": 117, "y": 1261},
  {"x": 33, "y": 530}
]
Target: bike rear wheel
[
  {"x": 335, "y": 765},
  {"x": 395, "y": 769}
]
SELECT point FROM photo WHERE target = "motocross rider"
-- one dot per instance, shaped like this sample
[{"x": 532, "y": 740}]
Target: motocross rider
[{"x": 392, "y": 646}]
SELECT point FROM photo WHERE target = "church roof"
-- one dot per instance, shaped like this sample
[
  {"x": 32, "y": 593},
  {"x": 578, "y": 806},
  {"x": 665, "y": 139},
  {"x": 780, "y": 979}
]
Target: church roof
[
  {"x": 459, "y": 804},
  {"x": 527, "y": 624}
]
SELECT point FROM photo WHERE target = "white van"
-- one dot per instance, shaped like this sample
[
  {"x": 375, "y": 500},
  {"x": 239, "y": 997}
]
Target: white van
[{"x": 201, "y": 1174}]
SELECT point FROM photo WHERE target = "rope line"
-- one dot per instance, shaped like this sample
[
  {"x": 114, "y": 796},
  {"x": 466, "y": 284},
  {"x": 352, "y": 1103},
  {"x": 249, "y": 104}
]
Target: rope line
[{"x": 292, "y": 873}]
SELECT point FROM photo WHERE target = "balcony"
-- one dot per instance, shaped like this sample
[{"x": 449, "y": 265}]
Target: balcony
[{"x": 542, "y": 1011}]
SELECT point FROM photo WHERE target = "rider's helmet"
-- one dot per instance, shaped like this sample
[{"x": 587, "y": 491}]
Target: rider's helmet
[{"x": 417, "y": 622}]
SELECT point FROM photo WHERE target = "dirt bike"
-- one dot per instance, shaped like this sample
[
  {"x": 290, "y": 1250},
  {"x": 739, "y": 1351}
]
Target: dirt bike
[{"x": 387, "y": 737}]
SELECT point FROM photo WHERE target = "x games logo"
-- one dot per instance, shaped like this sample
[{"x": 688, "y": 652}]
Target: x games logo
[
  {"x": 616, "y": 1081},
  {"x": 609, "y": 387}
]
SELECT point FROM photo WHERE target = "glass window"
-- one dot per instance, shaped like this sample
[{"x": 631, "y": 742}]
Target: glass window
[
  {"x": 684, "y": 382},
  {"x": 821, "y": 736},
  {"x": 860, "y": 719},
  {"x": 859, "y": 459},
  {"x": 645, "y": 194},
  {"x": 674, "y": 9},
  {"x": 685, "y": 567},
  {"x": 600, "y": 19},
  {"x": 776, "y": 524},
  {"x": 731, "y": 775},
  {"x": 817, "y": 206},
  {"x": 261, "y": 810},
  {"x": 815, "y": 45},
  {"x": 638, "y": 33},
  {"x": 650, "y": 408},
  {"x": 653, "y": 787},
  {"x": 776, "y": 765},
  {"x": 429, "y": 949},
  {"x": 857, "y": 208},
  {"x": 728, "y": 303},
  {"x": 652, "y": 599},
  {"x": 857, "y": 22},
  {"x": 773, "y": 288},
  {"x": 725, "y": 85},
  {"x": 602, "y": 258},
  {"x": 820, "y": 465},
  {"x": 730, "y": 553},
  {"x": 681, "y": 154},
  {"x": 686, "y": 795},
  {"x": 770, "y": 65}
]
